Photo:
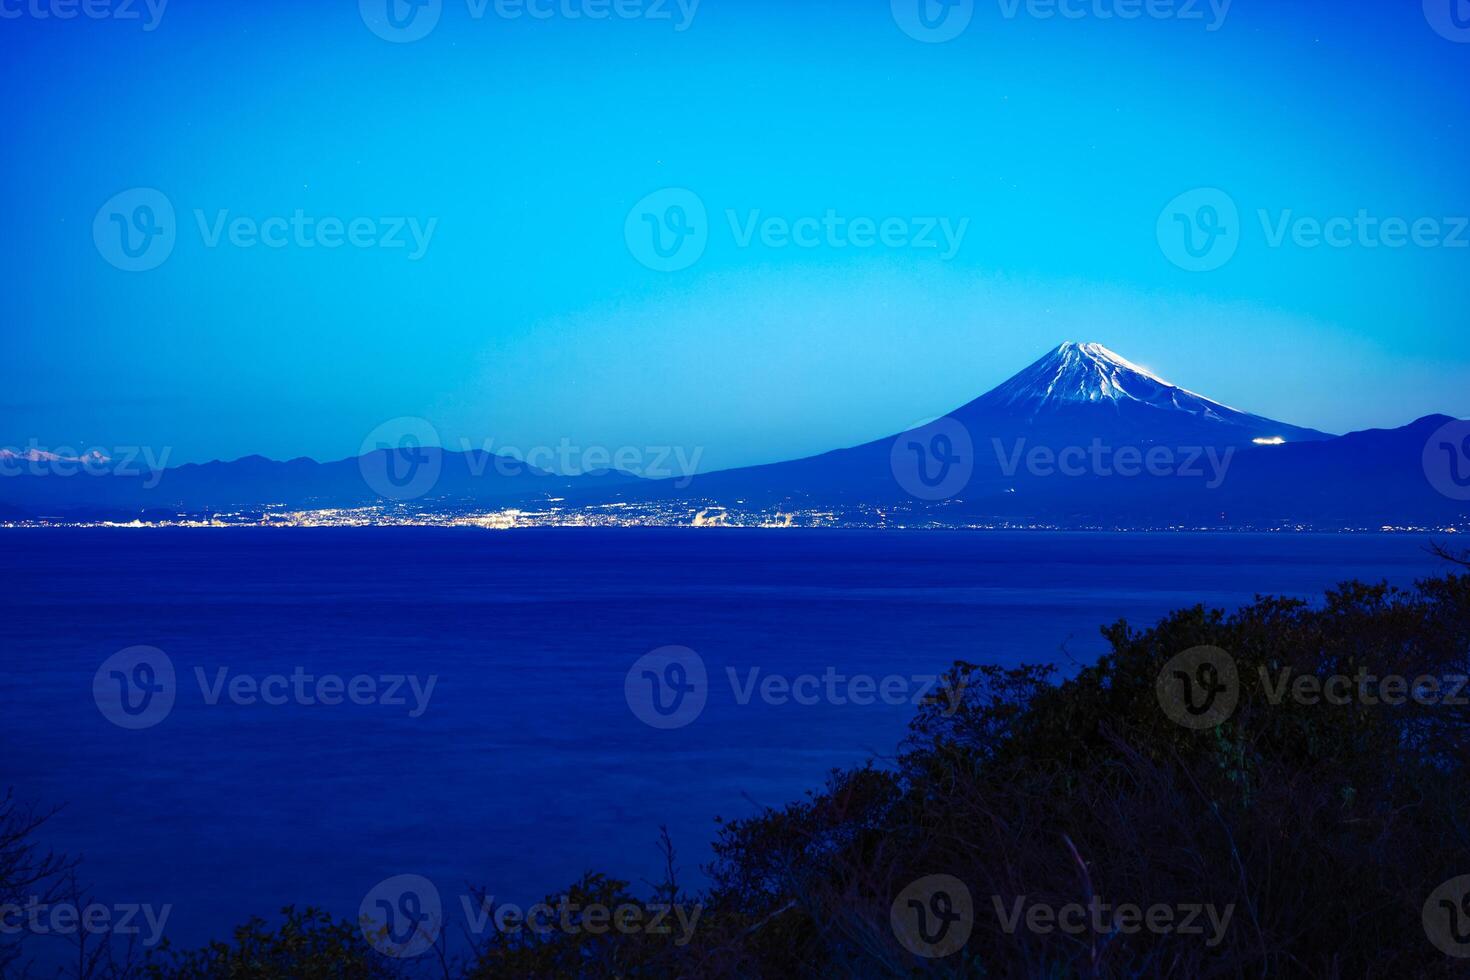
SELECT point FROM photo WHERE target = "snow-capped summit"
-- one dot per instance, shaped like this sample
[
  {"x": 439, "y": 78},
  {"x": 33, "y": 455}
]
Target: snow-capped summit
[
  {"x": 1093, "y": 373},
  {"x": 1075, "y": 380}
]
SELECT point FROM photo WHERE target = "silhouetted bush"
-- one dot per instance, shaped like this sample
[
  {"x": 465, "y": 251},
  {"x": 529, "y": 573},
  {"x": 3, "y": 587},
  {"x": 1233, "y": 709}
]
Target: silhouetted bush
[
  {"x": 1325, "y": 827},
  {"x": 307, "y": 944}
]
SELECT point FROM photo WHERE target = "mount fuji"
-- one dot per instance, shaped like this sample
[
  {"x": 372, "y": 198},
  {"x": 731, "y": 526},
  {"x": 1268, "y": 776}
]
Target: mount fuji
[
  {"x": 1077, "y": 398},
  {"x": 1084, "y": 437},
  {"x": 1088, "y": 390}
]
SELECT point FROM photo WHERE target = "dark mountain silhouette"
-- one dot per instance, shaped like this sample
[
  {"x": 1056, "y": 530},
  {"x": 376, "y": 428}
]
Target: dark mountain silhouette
[
  {"x": 1076, "y": 397},
  {"x": 1084, "y": 437},
  {"x": 1081, "y": 437},
  {"x": 422, "y": 477}
]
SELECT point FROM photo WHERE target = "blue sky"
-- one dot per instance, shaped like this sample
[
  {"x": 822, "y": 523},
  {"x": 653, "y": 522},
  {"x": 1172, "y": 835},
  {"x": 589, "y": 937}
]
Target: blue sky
[{"x": 518, "y": 146}]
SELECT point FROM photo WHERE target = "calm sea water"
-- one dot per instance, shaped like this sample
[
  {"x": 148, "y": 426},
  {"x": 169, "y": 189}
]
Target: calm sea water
[{"x": 528, "y": 766}]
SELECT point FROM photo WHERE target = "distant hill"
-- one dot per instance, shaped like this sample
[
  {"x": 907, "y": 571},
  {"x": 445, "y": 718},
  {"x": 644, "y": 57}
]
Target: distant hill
[
  {"x": 426, "y": 476},
  {"x": 1081, "y": 437}
]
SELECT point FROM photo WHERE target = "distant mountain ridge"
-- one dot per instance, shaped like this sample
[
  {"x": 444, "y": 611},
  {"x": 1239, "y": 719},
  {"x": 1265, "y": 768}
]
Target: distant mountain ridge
[
  {"x": 471, "y": 478},
  {"x": 1080, "y": 437}
]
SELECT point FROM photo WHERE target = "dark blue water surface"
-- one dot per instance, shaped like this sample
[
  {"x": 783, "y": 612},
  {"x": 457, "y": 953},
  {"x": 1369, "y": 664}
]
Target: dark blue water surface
[{"x": 528, "y": 767}]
